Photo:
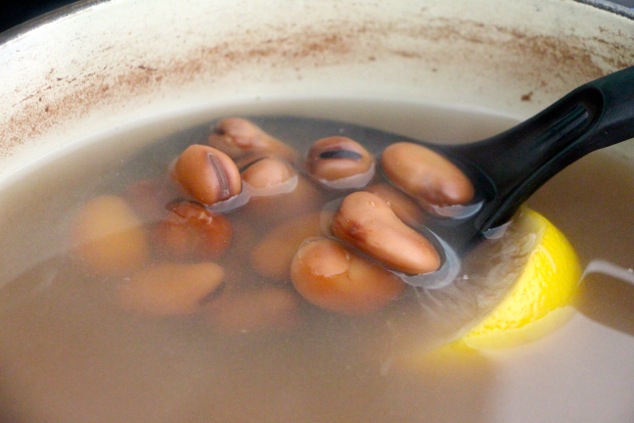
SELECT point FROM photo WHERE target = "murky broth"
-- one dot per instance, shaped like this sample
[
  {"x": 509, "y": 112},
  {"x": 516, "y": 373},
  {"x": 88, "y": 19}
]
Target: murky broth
[{"x": 70, "y": 353}]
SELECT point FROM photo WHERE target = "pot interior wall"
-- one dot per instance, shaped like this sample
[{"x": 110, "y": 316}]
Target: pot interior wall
[{"x": 104, "y": 66}]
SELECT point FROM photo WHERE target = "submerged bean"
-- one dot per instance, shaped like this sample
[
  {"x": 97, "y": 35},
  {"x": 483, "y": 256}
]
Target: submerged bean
[
  {"x": 426, "y": 175},
  {"x": 340, "y": 162},
  {"x": 271, "y": 210},
  {"x": 108, "y": 237},
  {"x": 170, "y": 288},
  {"x": 268, "y": 175},
  {"x": 239, "y": 138},
  {"x": 335, "y": 278},
  {"x": 367, "y": 222},
  {"x": 191, "y": 231},
  {"x": 254, "y": 310},
  {"x": 207, "y": 174},
  {"x": 273, "y": 255}
]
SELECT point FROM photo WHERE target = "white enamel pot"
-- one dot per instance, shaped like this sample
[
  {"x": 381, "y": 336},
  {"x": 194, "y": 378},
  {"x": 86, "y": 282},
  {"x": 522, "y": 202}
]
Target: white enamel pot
[{"x": 102, "y": 66}]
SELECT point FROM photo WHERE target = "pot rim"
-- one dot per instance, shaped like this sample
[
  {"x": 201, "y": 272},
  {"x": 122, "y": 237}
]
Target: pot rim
[
  {"x": 69, "y": 9},
  {"x": 48, "y": 109},
  {"x": 610, "y": 6}
]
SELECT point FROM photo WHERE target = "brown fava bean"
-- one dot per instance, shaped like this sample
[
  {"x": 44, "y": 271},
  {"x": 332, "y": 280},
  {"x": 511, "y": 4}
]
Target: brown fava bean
[
  {"x": 273, "y": 255},
  {"x": 239, "y": 138},
  {"x": 403, "y": 206},
  {"x": 367, "y": 222},
  {"x": 271, "y": 210},
  {"x": 207, "y": 174},
  {"x": 340, "y": 162},
  {"x": 426, "y": 175},
  {"x": 333, "y": 277},
  {"x": 170, "y": 288},
  {"x": 268, "y": 175},
  {"x": 254, "y": 310},
  {"x": 108, "y": 237},
  {"x": 191, "y": 231}
]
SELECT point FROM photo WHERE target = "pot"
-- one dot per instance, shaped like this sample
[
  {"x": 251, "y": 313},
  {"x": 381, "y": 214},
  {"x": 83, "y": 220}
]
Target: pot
[{"x": 81, "y": 74}]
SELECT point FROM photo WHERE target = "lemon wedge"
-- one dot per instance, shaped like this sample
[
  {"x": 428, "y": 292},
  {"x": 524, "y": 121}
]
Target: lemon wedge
[{"x": 539, "y": 301}]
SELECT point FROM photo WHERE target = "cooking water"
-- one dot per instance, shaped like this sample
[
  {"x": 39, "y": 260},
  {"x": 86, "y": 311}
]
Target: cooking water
[{"x": 69, "y": 354}]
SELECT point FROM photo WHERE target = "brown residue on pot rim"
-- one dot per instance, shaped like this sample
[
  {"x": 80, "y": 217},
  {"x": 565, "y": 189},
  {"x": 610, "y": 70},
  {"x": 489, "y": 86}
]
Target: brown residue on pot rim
[{"x": 333, "y": 42}]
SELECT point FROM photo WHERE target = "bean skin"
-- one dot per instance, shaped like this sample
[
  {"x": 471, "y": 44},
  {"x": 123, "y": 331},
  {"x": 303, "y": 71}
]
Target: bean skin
[
  {"x": 333, "y": 277},
  {"x": 239, "y": 138},
  {"x": 190, "y": 231},
  {"x": 367, "y": 222},
  {"x": 340, "y": 162},
  {"x": 170, "y": 288},
  {"x": 426, "y": 175},
  {"x": 401, "y": 204},
  {"x": 207, "y": 174},
  {"x": 108, "y": 237}
]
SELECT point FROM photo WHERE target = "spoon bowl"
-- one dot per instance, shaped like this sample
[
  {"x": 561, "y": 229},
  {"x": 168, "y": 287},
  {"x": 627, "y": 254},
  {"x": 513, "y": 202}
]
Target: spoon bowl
[{"x": 506, "y": 169}]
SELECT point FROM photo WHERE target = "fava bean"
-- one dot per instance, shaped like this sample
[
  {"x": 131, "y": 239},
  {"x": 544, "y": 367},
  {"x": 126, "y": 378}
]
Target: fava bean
[
  {"x": 426, "y": 175},
  {"x": 273, "y": 255},
  {"x": 254, "y": 310},
  {"x": 402, "y": 205},
  {"x": 271, "y": 210},
  {"x": 207, "y": 174},
  {"x": 268, "y": 175},
  {"x": 170, "y": 288},
  {"x": 335, "y": 278},
  {"x": 239, "y": 138},
  {"x": 367, "y": 222},
  {"x": 108, "y": 237},
  {"x": 191, "y": 231},
  {"x": 340, "y": 162}
]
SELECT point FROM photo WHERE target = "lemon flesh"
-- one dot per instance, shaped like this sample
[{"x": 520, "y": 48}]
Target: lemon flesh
[{"x": 540, "y": 299}]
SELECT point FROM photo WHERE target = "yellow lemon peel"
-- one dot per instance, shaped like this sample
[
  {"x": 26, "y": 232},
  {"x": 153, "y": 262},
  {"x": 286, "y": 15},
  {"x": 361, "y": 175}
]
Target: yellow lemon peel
[{"x": 540, "y": 299}]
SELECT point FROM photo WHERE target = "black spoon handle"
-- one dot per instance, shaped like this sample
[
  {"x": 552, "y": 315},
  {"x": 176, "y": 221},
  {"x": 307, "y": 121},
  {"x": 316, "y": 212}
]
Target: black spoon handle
[{"x": 517, "y": 162}]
